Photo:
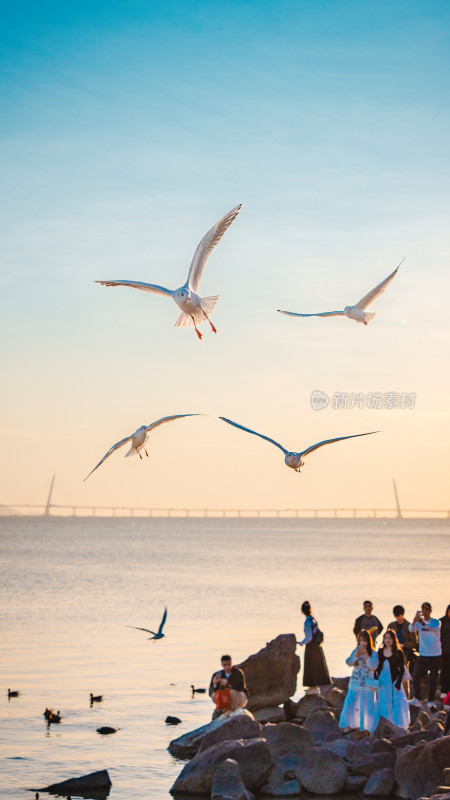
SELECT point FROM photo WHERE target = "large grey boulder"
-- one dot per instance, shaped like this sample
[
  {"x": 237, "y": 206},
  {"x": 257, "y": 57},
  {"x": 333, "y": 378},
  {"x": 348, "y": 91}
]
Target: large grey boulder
[
  {"x": 412, "y": 738},
  {"x": 237, "y": 726},
  {"x": 436, "y": 728},
  {"x": 252, "y": 755},
  {"x": 187, "y": 745},
  {"x": 341, "y": 683},
  {"x": 336, "y": 697},
  {"x": 275, "y": 714},
  {"x": 419, "y": 769},
  {"x": 380, "y": 784},
  {"x": 271, "y": 674},
  {"x": 387, "y": 730},
  {"x": 354, "y": 783},
  {"x": 286, "y": 738},
  {"x": 372, "y": 763},
  {"x": 322, "y": 772},
  {"x": 277, "y": 787},
  {"x": 350, "y": 751},
  {"x": 308, "y": 704},
  {"x": 227, "y": 782},
  {"x": 94, "y": 781},
  {"x": 283, "y": 780},
  {"x": 322, "y": 725},
  {"x": 383, "y": 746}
]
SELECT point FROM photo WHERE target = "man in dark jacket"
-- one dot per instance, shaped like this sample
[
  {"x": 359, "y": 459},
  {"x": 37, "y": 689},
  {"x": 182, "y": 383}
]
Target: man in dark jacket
[
  {"x": 232, "y": 678},
  {"x": 407, "y": 640},
  {"x": 368, "y": 621}
]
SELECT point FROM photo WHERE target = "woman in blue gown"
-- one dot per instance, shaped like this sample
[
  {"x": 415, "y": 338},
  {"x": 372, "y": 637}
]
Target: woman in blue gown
[
  {"x": 360, "y": 709},
  {"x": 392, "y": 700}
]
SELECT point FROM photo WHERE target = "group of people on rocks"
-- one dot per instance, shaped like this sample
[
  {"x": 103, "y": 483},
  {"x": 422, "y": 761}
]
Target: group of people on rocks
[
  {"x": 379, "y": 677},
  {"x": 379, "y": 685}
]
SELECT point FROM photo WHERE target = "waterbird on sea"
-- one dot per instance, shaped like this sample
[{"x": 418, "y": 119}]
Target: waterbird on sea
[
  {"x": 159, "y": 634},
  {"x": 194, "y": 309},
  {"x": 52, "y": 717},
  {"x": 138, "y": 439},
  {"x": 291, "y": 458},
  {"x": 14, "y": 693},
  {"x": 96, "y": 698},
  {"x": 356, "y": 312},
  {"x": 197, "y": 691}
]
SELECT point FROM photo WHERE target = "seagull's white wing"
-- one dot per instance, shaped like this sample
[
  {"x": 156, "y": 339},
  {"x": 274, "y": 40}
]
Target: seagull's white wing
[
  {"x": 111, "y": 450},
  {"x": 321, "y": 314},
  {"x": 206, "y": 247},
  {"x": 329, "y": 441},
  {"x": 371, "y": 296},
  {"x": 145, "y": 287},
  {"x": 255, "y": 433},
  {"x": 161, "y": 421},
  {"x": 163, "y": 621}
]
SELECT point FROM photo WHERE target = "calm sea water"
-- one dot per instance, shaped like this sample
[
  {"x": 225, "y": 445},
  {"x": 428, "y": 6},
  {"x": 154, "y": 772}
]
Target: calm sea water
[{"x": 70, "y": 587}]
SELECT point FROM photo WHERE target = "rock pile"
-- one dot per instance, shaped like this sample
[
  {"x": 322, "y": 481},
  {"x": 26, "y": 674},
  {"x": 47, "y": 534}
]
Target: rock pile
[{"x": 303, "y": 748}]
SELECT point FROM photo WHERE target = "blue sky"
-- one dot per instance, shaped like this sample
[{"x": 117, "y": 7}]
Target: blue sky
[{"x": 127, "y": 130}]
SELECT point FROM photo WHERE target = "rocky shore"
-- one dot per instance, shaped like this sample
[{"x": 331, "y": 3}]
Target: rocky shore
[{"x": 280, "y": 748}]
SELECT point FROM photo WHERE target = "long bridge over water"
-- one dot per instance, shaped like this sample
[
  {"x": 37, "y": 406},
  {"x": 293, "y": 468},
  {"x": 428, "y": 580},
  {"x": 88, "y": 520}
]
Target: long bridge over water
[
  {"x": 125, "y": 511},
  {"x": 54, "y": 509}
]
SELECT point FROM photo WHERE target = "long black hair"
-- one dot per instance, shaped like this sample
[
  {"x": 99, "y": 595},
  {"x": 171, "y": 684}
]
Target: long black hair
[
  {"x": 366, "y": 635},
  {"x": 395, "y": 646}
]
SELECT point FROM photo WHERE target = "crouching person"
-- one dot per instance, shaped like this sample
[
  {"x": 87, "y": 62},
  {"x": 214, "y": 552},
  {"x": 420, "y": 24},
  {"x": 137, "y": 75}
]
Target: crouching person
[{"x": 228, "y": 689}]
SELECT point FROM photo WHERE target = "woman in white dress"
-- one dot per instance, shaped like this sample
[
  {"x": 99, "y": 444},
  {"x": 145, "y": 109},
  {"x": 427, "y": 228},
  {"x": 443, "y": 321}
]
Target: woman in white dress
[
  {"x": 360, "y": 708},
  {"x": 392, "y": 700}
]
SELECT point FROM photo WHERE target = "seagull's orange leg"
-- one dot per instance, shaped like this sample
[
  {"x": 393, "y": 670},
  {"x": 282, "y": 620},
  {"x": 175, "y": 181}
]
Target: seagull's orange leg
[
  {"x": 146, "y": 452},
  {"x": 212, "y": 326},
  {"x": 139, "y": 455},
  {"x": 196, "y": 329}
]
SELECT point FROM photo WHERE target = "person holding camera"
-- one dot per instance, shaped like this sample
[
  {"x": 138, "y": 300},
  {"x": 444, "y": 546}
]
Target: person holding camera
[
  {"x": 232, "y": 679},
  {"x": 429, "y": 660}
]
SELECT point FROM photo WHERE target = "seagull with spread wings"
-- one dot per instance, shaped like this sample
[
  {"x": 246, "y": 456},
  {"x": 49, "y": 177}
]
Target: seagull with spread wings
[
  {"x": 138, "y": 439},
  {"x": 194, "y": 309},
  {"x": 358, "y": 311},
  {"x": 292, "y": 459},
  {"x": 159, "y": 634}
]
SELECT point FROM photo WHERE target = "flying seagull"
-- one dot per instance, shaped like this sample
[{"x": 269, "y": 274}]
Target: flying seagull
[
  {"x": 154, "y": 636},
  {"x": 292, "y": 459},
  {"x": 138, "y": 439},
  {"x": 195, "y": 309},
  {"x": 358, "y": 311}
]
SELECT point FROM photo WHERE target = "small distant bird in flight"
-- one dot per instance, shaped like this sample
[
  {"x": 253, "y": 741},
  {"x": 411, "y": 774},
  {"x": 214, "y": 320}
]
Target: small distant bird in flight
[
  {"x": 195, "y": 309},
  {"x": 159, "y": 634},
  {"x": 358, "y": 311},
  {"x": 138, "y": 439},
  {"x": 292, "y": 459}
]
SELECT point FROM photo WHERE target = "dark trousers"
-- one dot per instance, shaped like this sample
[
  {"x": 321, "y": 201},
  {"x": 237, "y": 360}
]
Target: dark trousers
[
  {"x": 445, "y": 673},
  {"x": 423, "y": 665}
]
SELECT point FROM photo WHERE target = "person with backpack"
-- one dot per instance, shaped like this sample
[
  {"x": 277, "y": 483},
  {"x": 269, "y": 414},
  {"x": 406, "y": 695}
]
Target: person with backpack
[{"x": 315, "y": 670}]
